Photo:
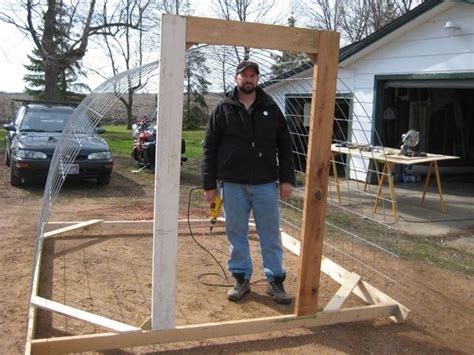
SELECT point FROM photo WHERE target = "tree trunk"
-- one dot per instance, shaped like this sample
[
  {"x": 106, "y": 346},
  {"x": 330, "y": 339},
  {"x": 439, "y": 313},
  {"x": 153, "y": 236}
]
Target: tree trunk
[
  {"x": 129, "y": 106},
  {"x": 49, "y": 54},
  {"x": 189, "y": 93},
  {"x": 51, "y": 84}
]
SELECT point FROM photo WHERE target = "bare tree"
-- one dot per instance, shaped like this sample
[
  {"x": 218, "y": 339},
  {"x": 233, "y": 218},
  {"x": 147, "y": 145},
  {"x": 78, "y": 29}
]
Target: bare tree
[
  {"x": 407, "y": 5},
  {"x": 126, "y": 46},
  {"x": 39, "y": 19},
  {"x": 244, "y": 11},
  {"x": 355, "y": 19},
  {"x": 176, "y": 7},
  {"x": 324, "y": 14},
  {"x": 223, "y": 56}
]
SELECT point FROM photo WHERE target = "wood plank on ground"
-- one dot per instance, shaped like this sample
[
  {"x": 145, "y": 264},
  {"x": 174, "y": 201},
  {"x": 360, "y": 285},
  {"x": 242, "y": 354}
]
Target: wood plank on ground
[
  {"x": 77, "y": 226},
  {"x": 75, "y": 313},
  {"x": 105, "y": 341}
]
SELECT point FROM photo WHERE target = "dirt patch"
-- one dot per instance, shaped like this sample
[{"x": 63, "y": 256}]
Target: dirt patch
[{"x": 112, "y": 277}]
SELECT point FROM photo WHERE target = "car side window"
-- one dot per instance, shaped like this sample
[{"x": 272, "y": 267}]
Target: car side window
[
  {"x": 25, "y": 124},
  {"x": 19, "y": 115},
  {"x": 27, "y": 121}
]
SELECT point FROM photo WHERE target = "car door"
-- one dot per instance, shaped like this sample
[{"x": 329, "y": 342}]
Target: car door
[{"x": 12, "y": 133}]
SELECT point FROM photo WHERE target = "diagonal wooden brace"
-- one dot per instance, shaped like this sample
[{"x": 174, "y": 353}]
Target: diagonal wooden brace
[{"x": 349, "y": 282}]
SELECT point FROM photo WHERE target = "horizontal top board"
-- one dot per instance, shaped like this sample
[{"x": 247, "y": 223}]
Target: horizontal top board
[{"x": 247, "y": 34}]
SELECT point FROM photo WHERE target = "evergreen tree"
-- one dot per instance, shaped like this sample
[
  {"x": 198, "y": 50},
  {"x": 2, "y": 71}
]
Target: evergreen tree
[
  {"x": 60, "y": 31},
  {"x": 195, "y": 108},
  {"x": 69, "y": 88}
]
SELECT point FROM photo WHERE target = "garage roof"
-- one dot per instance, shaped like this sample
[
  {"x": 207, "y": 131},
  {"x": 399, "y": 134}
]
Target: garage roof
[{"x": 348, "y": 52}]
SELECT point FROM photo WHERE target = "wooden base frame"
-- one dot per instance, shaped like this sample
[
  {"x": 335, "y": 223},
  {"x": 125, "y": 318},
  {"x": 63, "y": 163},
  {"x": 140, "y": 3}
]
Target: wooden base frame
[{"x": 378, "y": 304}]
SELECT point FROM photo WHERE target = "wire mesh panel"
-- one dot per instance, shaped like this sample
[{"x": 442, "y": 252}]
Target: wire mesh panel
[
  {"x": 358, "y": 235},
  {"x": 85, "y": 118},
  {"x": 361, "y": 233}
]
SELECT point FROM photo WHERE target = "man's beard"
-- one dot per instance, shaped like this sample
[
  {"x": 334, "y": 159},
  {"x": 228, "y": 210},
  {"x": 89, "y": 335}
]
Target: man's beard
[{"x": 247, "y": 88}]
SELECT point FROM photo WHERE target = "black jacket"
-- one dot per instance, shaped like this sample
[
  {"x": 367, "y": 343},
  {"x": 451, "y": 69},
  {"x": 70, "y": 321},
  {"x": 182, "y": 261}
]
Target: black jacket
[{"x": 242, "y": 146}]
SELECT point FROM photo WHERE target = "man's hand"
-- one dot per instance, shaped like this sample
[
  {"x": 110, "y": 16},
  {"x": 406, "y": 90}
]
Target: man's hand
[
  {"x": 285, "y": 190},
  {"x": 210, "y": 195}
]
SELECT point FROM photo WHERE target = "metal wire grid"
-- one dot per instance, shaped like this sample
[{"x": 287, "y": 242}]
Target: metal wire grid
[
  {"x": 85, "y": 118},
  {"x": 355, "y": 237}
]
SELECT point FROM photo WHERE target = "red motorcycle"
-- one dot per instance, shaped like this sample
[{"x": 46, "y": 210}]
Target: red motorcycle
[{"x": 144, "y": 144}]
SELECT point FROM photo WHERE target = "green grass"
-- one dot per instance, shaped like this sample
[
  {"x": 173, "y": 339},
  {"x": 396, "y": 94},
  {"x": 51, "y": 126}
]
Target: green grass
[
  {"x": 2, "y": 140},
  {"x": 411, "y": 247},
  {"x": 193, "y": 144},
  {"x": 119, "y": 138},
  {"x": 120, "y": 141},
  {"x": 433, "y": 251}
]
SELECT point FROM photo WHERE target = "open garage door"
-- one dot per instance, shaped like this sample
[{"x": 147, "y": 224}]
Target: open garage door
[{"x": 442, "y": 110}]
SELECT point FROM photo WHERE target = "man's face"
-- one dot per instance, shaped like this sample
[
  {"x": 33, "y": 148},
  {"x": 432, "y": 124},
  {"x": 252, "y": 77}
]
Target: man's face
[{"x": 247, "y": 80}]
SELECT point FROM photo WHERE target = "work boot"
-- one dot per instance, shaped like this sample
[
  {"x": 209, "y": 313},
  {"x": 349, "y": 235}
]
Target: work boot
[
  {"x": 240, "y": 289},
  {"x": 277, "y": 290}
]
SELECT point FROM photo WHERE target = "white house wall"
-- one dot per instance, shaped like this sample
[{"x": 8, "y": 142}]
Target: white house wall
[
  {"x": 298, "y": 84},
  {"x": 429, "y": 48},
  {"x": 422, "y": 46}
]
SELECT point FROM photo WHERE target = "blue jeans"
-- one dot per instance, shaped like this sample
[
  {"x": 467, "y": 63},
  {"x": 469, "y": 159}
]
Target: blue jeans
[{"x": 262, "y": 199}]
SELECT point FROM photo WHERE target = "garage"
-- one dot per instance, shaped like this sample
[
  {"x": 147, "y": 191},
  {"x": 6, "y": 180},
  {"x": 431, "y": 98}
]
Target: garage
[{"x": 440, "y": 109}]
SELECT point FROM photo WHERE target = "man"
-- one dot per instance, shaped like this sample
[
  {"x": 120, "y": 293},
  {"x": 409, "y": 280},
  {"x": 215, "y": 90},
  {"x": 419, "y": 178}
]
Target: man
[{"x": 247, "y": 148}]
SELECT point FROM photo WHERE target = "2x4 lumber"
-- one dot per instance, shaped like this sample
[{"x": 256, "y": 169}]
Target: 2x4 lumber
[
  {"x": 349, "y": 283},
  {"x": 75, "y": 313},
  {"x": 109, "y": 226},
  {"x": 254, "y": 35},
  {"x": 168, "y": 161},
  {"x": 290, "y": 243},
  {"x": 105, "y": 341},
  {"x": 365, "y": 291},
  {"x": 31, "y": 323},
  {"x": 120, "y": 228},
  {"x": 317, "y": 173},
  {"x": 77, "y": 226}
]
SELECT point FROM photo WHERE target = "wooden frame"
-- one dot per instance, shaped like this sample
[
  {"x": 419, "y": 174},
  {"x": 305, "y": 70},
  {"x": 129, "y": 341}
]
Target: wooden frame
[
  {"x": 179, "y": 33},
  {"x": 379, "y": 305}
]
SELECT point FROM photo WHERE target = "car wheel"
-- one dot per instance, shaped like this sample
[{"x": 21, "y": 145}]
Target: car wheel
[
  {"x": 14, "y": 180},
  {"x": 7, "y": 159},
  {"x": 103, "y": 180}
]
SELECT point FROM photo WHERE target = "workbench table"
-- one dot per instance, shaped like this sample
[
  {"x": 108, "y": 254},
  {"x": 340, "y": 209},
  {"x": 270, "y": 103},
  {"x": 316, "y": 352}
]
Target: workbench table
[{"x": 390, "y": 157}]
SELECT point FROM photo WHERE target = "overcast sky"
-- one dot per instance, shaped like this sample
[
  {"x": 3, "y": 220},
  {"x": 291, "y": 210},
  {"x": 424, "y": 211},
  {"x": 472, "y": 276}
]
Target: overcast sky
[{"x": 14, "y": 47}]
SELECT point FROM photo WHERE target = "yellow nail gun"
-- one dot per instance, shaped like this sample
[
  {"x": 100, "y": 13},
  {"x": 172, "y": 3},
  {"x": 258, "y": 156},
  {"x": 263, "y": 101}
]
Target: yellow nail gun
[{"x": 215, "y": 210}]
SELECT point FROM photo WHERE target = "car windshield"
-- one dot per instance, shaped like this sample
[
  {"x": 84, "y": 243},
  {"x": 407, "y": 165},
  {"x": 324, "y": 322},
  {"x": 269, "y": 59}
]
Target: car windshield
[{"x": 45, "y": 120}]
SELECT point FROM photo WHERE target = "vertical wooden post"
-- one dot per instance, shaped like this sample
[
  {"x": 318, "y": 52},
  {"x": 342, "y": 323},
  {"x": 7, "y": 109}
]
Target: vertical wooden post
[
  {"x": 168, "y": 155},
  {"x": 317, "y": 171}
]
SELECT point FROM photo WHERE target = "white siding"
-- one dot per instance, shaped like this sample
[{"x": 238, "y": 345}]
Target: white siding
[
  {"x": 425, "y": 48},
  {"x": 300, "y": 84},
  {"x": 428, "y": 48}
]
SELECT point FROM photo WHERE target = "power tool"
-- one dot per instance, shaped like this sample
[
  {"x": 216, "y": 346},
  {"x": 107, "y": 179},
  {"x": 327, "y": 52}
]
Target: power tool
[{"x": 215, "y": 210}]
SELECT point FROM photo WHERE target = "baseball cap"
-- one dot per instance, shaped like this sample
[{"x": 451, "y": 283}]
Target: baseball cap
[{"x": 245, "y": 64}]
